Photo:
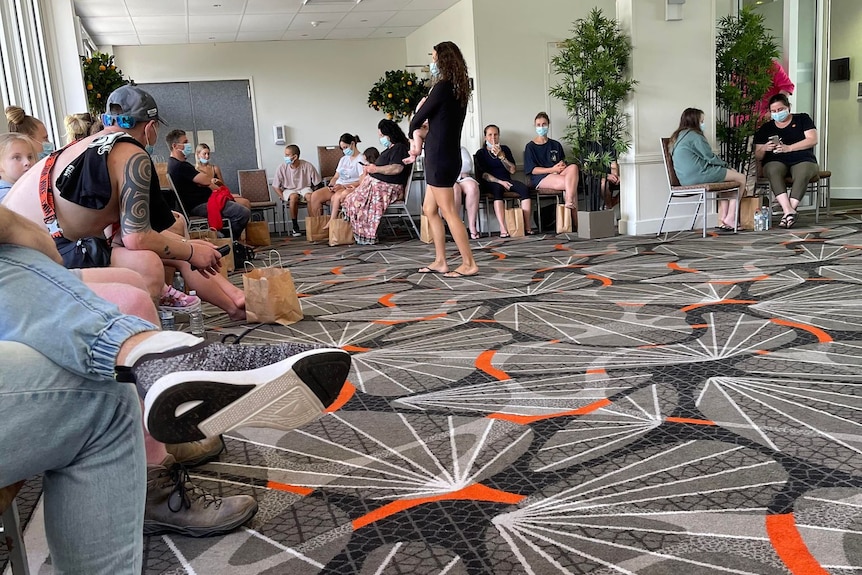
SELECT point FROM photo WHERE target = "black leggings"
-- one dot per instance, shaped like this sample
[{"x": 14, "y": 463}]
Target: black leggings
[{"x": 498, "y": 190}]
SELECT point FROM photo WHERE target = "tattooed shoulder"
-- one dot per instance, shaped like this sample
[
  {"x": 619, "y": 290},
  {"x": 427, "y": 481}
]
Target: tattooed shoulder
[{"x": 135, "y": 195}]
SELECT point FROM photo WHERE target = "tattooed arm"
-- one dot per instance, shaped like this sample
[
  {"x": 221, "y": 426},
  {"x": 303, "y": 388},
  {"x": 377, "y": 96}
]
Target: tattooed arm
[{"x": 135, "y": 230}]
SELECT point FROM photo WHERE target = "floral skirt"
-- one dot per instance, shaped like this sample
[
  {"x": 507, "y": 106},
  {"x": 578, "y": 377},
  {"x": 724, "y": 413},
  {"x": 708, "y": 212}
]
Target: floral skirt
[{"x": 364, "y": 207}]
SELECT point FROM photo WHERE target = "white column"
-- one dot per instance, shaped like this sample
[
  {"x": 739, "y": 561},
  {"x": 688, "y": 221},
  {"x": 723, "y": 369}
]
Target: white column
[{"x": 674, "y": 64}]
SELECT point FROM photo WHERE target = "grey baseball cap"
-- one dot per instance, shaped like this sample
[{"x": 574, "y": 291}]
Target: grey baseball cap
[{"x": 136, "y": 103}]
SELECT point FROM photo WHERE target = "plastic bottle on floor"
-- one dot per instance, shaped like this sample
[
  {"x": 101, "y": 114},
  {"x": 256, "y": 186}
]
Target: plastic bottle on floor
[
  {"x": 196, "y": 319},
  {"x": 758, "y": 221},
  {"x": 167, "y": 319},
  {"x": 179, "y": 283}
]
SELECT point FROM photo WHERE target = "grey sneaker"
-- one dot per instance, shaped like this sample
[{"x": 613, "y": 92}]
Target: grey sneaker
[
  {"x": 296, "y": 233},
  {"x": 202, "y": 391},
  {"x": 176, "y": 505}
]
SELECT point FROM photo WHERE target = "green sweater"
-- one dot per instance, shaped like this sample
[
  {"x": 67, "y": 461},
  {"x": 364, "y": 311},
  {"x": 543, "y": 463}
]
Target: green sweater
[{"x": 694, "y": 161}]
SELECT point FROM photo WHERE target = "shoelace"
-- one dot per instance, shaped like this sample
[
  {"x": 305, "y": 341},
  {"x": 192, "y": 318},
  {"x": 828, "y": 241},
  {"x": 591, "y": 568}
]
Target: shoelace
[
  {"x": 185, "y": 490},
  {"x": 235, "y": 339}
]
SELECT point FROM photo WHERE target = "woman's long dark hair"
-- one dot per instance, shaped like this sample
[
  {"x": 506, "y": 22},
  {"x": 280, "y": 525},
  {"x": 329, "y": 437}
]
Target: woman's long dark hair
[
  {"x": 452, "y": 67},
  {"x": 690, "y": 120},
  {"x": 393, "y": 131}
]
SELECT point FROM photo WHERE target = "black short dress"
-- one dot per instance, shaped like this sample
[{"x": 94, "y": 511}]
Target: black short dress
[{"x": 445, "y": 115}]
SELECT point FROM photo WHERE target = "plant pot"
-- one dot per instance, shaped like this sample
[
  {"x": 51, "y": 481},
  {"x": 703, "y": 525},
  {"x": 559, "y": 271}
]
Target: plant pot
[{"x": 598, "y": 224}]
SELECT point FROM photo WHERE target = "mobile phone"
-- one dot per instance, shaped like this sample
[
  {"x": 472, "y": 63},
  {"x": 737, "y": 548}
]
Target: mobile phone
[
  {"x": 361, "y": 163},
  {"x": 775, "y": 140},
  {"x": 223, "y": 250}
]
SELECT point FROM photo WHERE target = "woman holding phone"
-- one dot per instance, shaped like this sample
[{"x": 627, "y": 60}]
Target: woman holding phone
[
  {"x": 785, "y": 146},
  {"x": 695, "y": 163}
]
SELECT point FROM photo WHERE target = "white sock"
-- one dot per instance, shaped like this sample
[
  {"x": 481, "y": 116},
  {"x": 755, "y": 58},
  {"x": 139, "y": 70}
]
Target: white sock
[{"x": 161, "y": 341}]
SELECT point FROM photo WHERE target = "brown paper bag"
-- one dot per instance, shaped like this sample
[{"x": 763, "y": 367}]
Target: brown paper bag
[
  {"x": 208, "y": 234},
  {"x": 257, "y": 233},
  {"x": 515, "y": 222},
  {"x": 227, "y": 263},
  {"x": 340, "y": 233},
  {"x": 425, "y": 230},
  {"x": 270, "y": 296},
  {"x": 564, "y": 219},
  {"x": 314, "y": 231},
  {"x": 747, "y": 205},
  {"x": 162, "y": 173}
]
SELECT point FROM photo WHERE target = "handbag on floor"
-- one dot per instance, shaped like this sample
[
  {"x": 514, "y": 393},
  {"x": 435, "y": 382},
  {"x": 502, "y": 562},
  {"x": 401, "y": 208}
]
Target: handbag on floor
[
  {"x": 564, "y": 219},
  {"x": 515, "y": 222},
  {"x": 340, "y": 233},
  {"x": 314, "y": 231}
]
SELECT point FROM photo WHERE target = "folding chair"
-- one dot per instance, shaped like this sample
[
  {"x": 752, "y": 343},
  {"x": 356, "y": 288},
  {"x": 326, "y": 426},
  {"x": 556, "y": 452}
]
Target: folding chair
[
  {"x": 398, "y": 209},
  {"x": 196, "y": 223}
]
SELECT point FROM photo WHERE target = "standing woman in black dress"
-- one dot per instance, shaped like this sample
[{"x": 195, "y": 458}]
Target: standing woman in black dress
[{"x": 445, "y": 109}]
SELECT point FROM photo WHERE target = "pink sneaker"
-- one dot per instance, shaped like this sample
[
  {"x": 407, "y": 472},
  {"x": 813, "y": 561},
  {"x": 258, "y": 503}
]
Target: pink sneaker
[{"x": 177, "y": 301}]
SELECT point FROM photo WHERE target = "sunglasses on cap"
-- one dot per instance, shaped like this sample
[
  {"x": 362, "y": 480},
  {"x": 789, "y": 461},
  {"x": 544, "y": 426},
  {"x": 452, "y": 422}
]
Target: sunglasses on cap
[{"x": 121, "y": 120}]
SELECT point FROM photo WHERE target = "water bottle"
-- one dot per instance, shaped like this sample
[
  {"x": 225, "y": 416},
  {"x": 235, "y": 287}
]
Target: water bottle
[
  {"x": 196, "y": 319},
  {"x": 758, "y": 221},
  {"x": 167, "y": 319},
  {"x": 179, "y": 283},
  {"x": 767, "y": 218}
]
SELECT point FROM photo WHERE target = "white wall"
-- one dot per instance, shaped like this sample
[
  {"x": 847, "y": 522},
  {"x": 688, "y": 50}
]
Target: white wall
[
  {"x": 317, "y": 88},
  {"x": 845, "y": 112},
  {"x": 454, "y": 25}
]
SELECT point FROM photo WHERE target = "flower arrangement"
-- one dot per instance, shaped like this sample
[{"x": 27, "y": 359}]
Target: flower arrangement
[
  {"x": 101, "y": 77},
  {"x": 396, "y": 94}
]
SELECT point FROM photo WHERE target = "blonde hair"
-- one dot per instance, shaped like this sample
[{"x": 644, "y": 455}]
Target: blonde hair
[
  {"x": 80, "y": 126},
  {"x": 20, "y": 122},
  {"x": 198, "y": 149},
  {"x": 6, "y": 141}
]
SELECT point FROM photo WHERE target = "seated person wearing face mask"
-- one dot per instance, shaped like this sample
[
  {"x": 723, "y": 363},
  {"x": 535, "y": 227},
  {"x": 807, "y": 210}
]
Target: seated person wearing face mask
[
  {"x": 294, "y": 181},
  {"x": 19, "y": 121},
  {"x": 195, "y": 188}
]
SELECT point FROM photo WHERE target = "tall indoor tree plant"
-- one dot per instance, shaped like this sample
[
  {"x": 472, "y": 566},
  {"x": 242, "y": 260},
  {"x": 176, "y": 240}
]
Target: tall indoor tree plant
[
  {"x": 594, "y": 68},
  {"x": 744, "y": 52}
]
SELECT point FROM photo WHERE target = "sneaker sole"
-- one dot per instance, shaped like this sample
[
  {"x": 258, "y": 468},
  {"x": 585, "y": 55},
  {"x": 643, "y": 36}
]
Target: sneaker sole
[
  {"x": 158, "y": 528},
  {"x": 283, "y": 395}
]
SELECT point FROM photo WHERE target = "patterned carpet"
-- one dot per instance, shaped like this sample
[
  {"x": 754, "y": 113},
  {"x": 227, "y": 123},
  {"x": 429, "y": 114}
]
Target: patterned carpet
[{"x": 621, "y": 406}]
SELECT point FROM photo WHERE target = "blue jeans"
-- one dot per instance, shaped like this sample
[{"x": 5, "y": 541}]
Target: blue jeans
[
  {"x": 85, "y": 436},
  {"x": 50, "y": 310}
]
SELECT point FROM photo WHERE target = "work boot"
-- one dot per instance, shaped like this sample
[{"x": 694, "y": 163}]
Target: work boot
[
  {"x": 176, "y": 505},
  {"x": 196, "y": 453},
  {"x": 202, "y": 391}
]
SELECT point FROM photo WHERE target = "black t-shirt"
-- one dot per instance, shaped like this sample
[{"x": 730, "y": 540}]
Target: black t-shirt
[
  {"x": 544, "y": 155},
  {"x": 393, "y": 155},
  {"x": 486, "y": 163},
  {"x": 183, "y": 174},
  {"x": 790, "y": 134}
]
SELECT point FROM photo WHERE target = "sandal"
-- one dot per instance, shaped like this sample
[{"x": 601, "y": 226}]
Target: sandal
[
  {"x": 783, "y": 222},
  {"x": 504, "y": 236},
  {"x": 789, "y": 220},
  {"x": 474, "y": 236},
  {"x": 531, "y": 232},
  {"x": 724, "y": 228}
]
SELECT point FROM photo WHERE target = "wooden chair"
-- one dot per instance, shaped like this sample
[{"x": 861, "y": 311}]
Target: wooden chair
[
  {"x": 254, "y": 187},
  {"x": 696, "y": 194},
  {"x": 10, "y": 528},
  {"x": 399, "y": 209}
]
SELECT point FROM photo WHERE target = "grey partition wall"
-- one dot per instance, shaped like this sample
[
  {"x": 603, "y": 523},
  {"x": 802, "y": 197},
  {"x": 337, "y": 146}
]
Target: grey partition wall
[{"x": 222, "y": 107}]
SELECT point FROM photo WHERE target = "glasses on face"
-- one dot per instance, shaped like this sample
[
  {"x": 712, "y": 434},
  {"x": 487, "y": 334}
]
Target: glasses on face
[{"x": 121, "y": 120}]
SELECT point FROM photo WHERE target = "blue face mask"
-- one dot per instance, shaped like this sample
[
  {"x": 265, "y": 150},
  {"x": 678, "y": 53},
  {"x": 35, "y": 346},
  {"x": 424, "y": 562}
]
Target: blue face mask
[
  {"x": 780, "y": 116},
  {"x": 203, "y": 161},
  {"x": 348, "y": 152},
  {"x": 47, "y": 148},
  {"x": 433, "y": 69},
  {"x": 702, "y": 127},
  {"x": 542, "y": 130},
  {"x": 188, "y": 150},
  {"x": 288, "y": 160},
  {"x": 385, "y": 141}
]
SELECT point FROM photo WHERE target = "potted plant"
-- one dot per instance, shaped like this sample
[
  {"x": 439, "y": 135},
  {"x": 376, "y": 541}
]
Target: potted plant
[
  {"x": 744, "y": 53},
  {"x": 396, "y": 94},
  {"x": 101, "y": 77},
  {"x": 594, "y": 66}
]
